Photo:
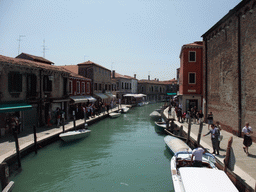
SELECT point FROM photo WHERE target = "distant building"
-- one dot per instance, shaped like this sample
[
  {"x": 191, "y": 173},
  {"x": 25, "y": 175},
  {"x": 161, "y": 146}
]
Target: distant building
[
  {"x": 34, "y": 58},
  {"x": 229, "y": 68},
  {"x": 172, "y": 87},
  {"x": 191, "y": 76}
]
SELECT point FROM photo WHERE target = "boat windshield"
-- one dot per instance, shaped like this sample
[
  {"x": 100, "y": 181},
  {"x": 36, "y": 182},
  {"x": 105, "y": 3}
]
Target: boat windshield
[{"x": 209, "y": 158}]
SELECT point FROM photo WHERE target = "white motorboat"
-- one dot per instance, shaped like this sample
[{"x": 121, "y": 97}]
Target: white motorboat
[
  {"x": 155, "y": 115},
  {"x": 75, "y": 135},
  {"x": 114, "y": 114},
  {"x": 175, "y": 144},
  {"x": 201, "y": 179},
  {"x": 124, "y": 110},
  {"x": 160, "y": 126}
]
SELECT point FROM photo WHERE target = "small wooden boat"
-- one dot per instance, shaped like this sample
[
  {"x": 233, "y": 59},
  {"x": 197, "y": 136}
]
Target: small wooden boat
[
  {"x": 201, "y": 179},
  {"x": 160, "y": 126},
  {"x": 75, "y": 135},
  {"x": 155, "y": 116},
  {"x": 114, "y": 114},
  {"x": 175, "y": 144},
  {"x": 124, "y": 110}
]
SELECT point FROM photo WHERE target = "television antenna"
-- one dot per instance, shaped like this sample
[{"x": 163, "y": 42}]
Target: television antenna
[
  {"x": 44, "y": 48},
  {"x": 20, "y": 36}
]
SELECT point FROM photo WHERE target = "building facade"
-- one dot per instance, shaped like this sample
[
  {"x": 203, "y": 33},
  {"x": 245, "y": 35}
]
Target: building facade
[
  {"x": 190, "y": 76},
  {"x": 229, "y": 68}
]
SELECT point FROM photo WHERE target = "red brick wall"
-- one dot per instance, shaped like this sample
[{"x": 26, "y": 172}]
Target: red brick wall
[{"x": 222, "y": 81}]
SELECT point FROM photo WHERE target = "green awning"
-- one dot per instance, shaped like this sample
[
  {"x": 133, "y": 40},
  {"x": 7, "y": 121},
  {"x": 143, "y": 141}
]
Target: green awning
[
  {"x": 171, "y": 93},
  {"x": 13, "y": 107}
]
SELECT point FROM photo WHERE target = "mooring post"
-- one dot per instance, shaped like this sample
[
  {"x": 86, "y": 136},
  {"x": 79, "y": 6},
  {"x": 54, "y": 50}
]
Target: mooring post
[
  {"x": 63, "y": 122},
  {"x": 17, "y": 147},
  {"x": 226, "y": 160},
  {"x": 199, "y": 133},
  {"x": 181, "y": 130},
  {"x": 189, "y": 129},
  {"x": 35, "y": 140},
  {"x": 74, "y": 119},
  {"x": 4, "y": 174}
]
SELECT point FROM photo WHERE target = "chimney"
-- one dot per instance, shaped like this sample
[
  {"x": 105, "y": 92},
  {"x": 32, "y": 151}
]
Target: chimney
[
  {"x": 149, "y": 77},
  {"x": 114, "y": 74},
  {"x": 134, "y": 76}
]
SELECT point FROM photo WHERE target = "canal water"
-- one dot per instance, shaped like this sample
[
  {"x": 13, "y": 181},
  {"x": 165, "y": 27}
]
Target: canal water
[{"x": 123, "y": 154}]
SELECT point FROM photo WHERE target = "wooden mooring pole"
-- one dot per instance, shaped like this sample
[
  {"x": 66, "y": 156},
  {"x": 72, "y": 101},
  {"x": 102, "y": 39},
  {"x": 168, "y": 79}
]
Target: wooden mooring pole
[
  {"x": 227, "y": 158},
  {"x": 63, "y": 123},
  {"x": 4, "y": 174},
  {"x": 199, "y": 133},
  {"x": 35, "y": 139},
  {"x": 17, "y": 147},
  {"x": 74, "y": 121},
  {"x": 189, "y": 129}
]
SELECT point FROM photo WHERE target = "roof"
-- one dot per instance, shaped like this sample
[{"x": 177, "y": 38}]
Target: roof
[
  {"x": 226, "y": 17},
  {"x": 34, "y": 58},
  {"x": 28, "y": 63},
  {"x": 72, "y": 74},
  {"x": 172, "y": 81},
  {"x": 151, "y": 81},
  {"x": 117, "y": 75},
  {"x": 72, "y": 68},
  {"x": 196, "y": 44},
  {"x": 91, "y": 63}
]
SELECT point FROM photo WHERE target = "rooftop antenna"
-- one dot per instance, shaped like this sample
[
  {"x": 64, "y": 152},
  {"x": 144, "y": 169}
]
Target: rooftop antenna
[
  {"x": 19, "y": 42},
  {"x": 44, "y": 48}
]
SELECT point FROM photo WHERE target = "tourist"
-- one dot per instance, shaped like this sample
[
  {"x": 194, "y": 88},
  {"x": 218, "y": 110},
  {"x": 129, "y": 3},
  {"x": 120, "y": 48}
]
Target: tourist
[
  {"x": 214, "y": 137},
  {"x": 247, "y": 131},
  {"x": 220, "y": 136},
  {"x": 210, "y": 119},
  {"x": 198, "y": 154},
  {"x": 200, "y": 116}
]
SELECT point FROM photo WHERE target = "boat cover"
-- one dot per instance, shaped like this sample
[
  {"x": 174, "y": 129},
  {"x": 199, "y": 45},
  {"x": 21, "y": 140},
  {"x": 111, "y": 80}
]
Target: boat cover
[
  {"x": 204, "y": 179},
  {"x": 175, "y": 144}
]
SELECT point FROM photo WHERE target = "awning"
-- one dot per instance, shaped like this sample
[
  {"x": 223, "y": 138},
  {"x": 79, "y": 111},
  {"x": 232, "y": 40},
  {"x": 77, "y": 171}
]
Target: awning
[
  {"x": 90, "y": 98},
  {"x": 79, "y": 99},
  {"x": 171, "y": 94},
  {"x": 110, "y": 95},
  {"x": 101, "y": 95},
  {"x": 13, "y": 107}
]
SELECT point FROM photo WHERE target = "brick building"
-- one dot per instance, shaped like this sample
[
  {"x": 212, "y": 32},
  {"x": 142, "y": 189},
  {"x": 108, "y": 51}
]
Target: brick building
[
  {"x": 229, "y": 68},
  {"x": 190, "y": 76}
]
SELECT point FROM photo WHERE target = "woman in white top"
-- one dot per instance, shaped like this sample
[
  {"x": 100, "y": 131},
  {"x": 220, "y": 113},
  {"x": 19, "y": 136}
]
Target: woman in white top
[{"x": 247, "y": 131}]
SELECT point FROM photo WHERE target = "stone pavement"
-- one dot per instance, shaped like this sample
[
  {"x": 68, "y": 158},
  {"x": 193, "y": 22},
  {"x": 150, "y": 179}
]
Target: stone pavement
[
  {"x": 26, "y": 138},
  {"x": 245, "y": 166}
]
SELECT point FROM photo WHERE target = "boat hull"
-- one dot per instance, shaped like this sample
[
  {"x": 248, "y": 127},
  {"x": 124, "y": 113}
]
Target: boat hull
[
  {"x": 160, "y": 126},
  {"x": 114, "y": 115},
  {"x": 74, "y": 135}
]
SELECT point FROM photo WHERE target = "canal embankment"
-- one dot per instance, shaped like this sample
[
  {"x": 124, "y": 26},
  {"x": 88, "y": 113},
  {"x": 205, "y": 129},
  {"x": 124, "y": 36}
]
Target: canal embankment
[{"x": 243, "y": 172}]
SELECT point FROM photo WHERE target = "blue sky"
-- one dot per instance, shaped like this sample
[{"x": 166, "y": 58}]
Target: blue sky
[{"x": 142, "y": 37}]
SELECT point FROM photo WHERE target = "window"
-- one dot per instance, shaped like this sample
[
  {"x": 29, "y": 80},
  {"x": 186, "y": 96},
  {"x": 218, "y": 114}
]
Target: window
[
  {"x": 78, "y": 87},
  {"x": 65, "y": 84},
  {"x": 70, "y": 86},
  {"x": 48, "y": 83},
  {"x": 95, "y": 86},
  {"x": 83, "y": 87},
  {"x": 106, "y": 87},
  {"x": 100, "y": 86},
  {"x": 191, "y": 78},
  {"x": 122, "y": 85},
  {"x": 14, "y": 82},
  {"x": 192, "y": 56},
  {"x": 109, "y": 87},
  {"x": 31, "y": 85},
  {"x": 88, "y": 88}
]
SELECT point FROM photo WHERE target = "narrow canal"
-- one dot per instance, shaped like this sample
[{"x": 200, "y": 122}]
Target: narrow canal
[{"x": 123, "y": 154}]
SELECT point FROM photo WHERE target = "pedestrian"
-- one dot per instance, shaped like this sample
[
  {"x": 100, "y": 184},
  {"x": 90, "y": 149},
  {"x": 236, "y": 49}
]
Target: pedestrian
[
  {"x": 200, "y": 116},
  {"x": 187, "y": 116},
  {"x": 220, "y": 136},
  {"x": 192, "y": 115},
  {"x": 198, "y": 154},
  {"x": 179, "y": 115},
  {"x": 210, "y": 119},
  {"x": 247, "y": 131},
  {"x": 214, "y": 137},
  {"x": 58, "y": 116}
]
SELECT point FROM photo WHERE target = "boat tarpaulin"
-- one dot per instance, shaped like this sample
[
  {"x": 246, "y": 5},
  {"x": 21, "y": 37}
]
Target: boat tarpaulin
[{"x": 13, "y": 107}]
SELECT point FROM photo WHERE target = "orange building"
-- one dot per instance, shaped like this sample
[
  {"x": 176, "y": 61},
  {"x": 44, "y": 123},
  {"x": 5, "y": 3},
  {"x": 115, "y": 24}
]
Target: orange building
[{"x": 191, "y": 76}]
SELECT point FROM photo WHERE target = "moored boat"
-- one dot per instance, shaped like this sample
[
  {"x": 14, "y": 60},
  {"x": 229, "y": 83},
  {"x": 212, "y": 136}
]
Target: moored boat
[
  {"x": 160, "y": 126},
  {"x": 155, "y": 115},
  {"x": 75, "y": 135},
  {"x": 206, "y": 178},
  {"x": 114, "y": 114},
  {"x": 124, "y": 110},
  {"x": 175, "y": 144}
]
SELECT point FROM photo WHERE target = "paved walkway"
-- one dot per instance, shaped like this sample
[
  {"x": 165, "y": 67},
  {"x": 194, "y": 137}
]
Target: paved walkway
[
  {"x": 26, "y": 138},
  {"x": 245, "y": 166}
]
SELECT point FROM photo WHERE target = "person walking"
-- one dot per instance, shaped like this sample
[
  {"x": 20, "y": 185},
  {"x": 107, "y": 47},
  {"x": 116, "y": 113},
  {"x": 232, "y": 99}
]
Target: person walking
[
  {"x": 220, "y": 136},
  {"x": 214, "y": 137},
  {"x": 247, "y": 131},
  {"x": 200, "y": 116}
]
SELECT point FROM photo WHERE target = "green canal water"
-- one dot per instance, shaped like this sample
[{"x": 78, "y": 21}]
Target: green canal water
[{"x": 123, "y": 154}]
